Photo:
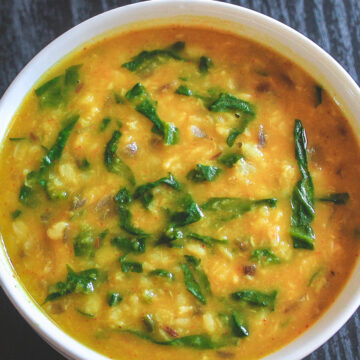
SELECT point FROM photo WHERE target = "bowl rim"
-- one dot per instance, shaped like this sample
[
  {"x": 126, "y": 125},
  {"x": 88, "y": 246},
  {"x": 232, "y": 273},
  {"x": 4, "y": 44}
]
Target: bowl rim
[{"x": 12, "y": 286}]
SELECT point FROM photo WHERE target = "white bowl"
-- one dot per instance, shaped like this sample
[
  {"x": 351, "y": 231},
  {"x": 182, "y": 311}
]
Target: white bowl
[{"x": 227, "y": 17}]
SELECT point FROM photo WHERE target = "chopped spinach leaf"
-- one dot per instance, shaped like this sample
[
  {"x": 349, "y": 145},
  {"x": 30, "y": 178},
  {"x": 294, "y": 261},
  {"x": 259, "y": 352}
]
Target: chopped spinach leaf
[
  {"x": 83, "y": 313},
  {"x": 27, "y": 195},
  {"x": 126, "y": 224},
  {"x": 113, "y": 162},
  {"x": 177, "y": 46},
  {"x": 144, "y": 192},
  {"x": 173, "y": 233},
  {"x": 72, "y": 77},
  {"x": 122, "y": 200},
  {"x": 208, "y": 240},
  {"x": 114, "y": 298},
  {"x": 83, "y": 282},
  {"x": 135, "y": 244},
  {"x": 170, "y": 181},
  {"x": 147, "y": 107},
  {"x": 191, "y": 213},
  {"x": 172, "y": 237},
  {"x": 234, "y": 133},
  {"x": 265, "y": 256},
  {"x": 146, "y": 61},
  {"x": 84, "y": 243},
  {"x": 313, "y": 276},
  {"x": 192, "y": 260},
  {"x": 171, "y": 134},
  {"x": 198, "y": 273},
  {"x": 184, "y": 90},
  {"x": 162, "y": 273},
  {"x": 203, "y": 280},
  {"x": 228, "y": 102},
  {"x": 200, "y": 342},
  {"x": 256, "y": 298},
  {"x": 231, "y": 208},
  {"x": 239, "y": 325},
  {"x": 50, "y": 94},
  {"x": 336, "y": 198},
  {"x": 196, "y": 341},
  {"x": 302, "y": 198},
  {"x": 171, "y": 242},
  {"x": 52, "y": 190},
  {"x": 104, "y": 124},
  {"x": 15, "y": 214},
  {"x": 137, "y": 94},
  {"x": 56, "y": 150},
  {"x": 318, "y": 95},
  {"x": 203, "y": 173},
  {"x": 148, "y": 322},
  {"x": 205, "y": 64},
  {"x": 54, "y": 194},
  {"x": 56, "y": 91},
  {"x": 229, "y": 160},
  {"x": 17, "y": 138},
  {"x": 130, "y": 266},
  {"x": 123, "y": 197},
  {"x": 191, "y": 284}
]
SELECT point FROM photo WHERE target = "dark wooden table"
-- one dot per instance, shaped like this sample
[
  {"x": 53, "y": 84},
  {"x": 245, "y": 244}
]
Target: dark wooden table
[{"x": 26, "y": 26}]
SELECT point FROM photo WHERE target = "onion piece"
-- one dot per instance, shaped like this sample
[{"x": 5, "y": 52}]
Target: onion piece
[
  {"x": 197, "y": 132},
  {"x": 261, "y": 137},
  {"x": 131, "y": 149}
]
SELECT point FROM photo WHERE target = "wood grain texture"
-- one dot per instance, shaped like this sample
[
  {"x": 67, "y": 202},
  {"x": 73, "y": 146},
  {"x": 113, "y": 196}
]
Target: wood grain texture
[{"x": 26, "y": 26}]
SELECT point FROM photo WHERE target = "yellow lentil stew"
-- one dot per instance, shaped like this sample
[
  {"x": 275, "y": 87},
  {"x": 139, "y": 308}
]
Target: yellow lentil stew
[{"x": 181, "y": 193}]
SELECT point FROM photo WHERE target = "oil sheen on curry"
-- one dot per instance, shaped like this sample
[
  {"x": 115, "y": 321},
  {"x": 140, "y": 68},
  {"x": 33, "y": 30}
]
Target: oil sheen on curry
[{"x": 181, "y": 193}]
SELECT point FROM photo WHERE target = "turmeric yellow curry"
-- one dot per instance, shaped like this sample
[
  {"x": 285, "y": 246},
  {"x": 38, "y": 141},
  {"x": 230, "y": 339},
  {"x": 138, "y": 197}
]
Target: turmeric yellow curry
[{"x": 180, "y": 193}]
